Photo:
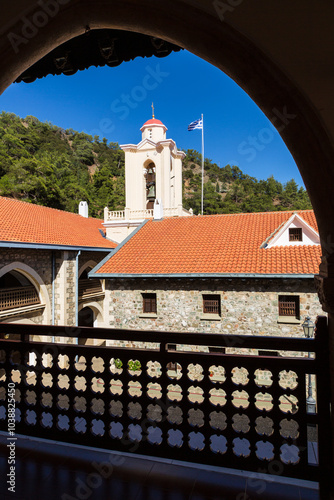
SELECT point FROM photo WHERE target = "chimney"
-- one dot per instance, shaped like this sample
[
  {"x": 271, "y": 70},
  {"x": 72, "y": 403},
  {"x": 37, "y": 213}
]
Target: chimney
[
  {"x": 83, "y": 209},
  {"x": 158, "y": 211}
]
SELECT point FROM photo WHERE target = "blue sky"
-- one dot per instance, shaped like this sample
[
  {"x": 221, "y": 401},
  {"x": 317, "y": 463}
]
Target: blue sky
[{"x": 115, "y": 102}]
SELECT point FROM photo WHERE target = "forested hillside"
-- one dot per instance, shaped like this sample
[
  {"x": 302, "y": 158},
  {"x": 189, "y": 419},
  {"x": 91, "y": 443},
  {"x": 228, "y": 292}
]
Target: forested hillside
[
  {"x": 229, "y": 190},
  {"x": 45, "y": 164}
]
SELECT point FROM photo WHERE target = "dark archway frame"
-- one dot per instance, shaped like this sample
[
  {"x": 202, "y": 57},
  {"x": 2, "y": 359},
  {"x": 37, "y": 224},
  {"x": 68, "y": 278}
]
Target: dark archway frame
[
  {"x": 216, "y": 42},
  {"x": 205, "y": 35}
]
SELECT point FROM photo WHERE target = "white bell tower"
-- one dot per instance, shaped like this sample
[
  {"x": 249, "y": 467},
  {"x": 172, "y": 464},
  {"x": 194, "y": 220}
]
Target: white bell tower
[
  {"x": 153, "y": 170},
  {"x": 153, "y": 180}
]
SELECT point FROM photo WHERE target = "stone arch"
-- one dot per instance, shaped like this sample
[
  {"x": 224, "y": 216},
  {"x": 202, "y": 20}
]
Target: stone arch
[
  {"x": 35, "y": 279},
  {"x": 90, "y": 264},
  {"x": 91, "y": 281},
  {"x": 193, "y": 25},
  {"x": 148, "y": 162},
  {"x": 86, "y": 316},
  {"x": 97, "y": 312},
  {"x": 97, "y": 309}
]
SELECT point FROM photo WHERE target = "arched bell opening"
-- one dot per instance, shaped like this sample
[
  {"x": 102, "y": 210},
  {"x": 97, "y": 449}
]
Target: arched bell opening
[{"x": 150, "y": 183}]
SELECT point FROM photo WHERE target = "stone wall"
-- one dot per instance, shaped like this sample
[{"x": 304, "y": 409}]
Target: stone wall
[
  {"x": 64, "y": 288},
  {"x": 248, "y": 306},
  {"x": 39, "y": 261}
]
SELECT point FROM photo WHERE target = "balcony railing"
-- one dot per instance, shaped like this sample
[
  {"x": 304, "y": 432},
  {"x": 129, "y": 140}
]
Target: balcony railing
[
  {"x": 246, "y": 412},
  {"x": 88, "y": 287},
  {"x": 12, "y": 298},
  {"x": 118, "y": 215}
]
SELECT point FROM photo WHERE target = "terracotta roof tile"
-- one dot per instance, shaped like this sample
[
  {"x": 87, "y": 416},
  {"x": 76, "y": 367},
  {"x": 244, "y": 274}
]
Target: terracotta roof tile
[
  {"x": 27, "y": 223},
  {"x": 214, "y": 244},
  {"x": 153, "y": 121}
]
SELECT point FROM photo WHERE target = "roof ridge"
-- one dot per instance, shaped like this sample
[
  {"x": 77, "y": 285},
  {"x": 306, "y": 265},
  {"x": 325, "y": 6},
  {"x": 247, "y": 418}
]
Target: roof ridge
[{"x": 290, "y": 212}]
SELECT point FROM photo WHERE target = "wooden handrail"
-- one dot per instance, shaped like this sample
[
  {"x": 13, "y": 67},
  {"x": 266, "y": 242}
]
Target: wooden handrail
[
  {"x": 89, "y": 286},
  {"x": 12, "y": 298}
]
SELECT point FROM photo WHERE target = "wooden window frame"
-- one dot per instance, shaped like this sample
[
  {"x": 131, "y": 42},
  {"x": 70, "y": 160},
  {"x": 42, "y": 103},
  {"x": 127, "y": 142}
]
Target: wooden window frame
[
  {"x": 289, "y": 306},
  {"x": 212, "y": 304},
  {"x": 149, "y": 303},
  {"x": 295, "y": 234}
]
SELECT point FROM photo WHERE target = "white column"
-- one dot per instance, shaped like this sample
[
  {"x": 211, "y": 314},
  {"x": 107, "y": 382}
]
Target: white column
[{"x": 178, "y": 181}]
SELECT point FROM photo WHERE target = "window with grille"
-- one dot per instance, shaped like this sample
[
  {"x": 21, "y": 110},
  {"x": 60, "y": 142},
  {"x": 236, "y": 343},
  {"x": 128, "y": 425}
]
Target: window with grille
[
  {"x": 150, "y": 303},
  {"x": 220, "y": 350},
  {"x": 211, "y": 304},
  {"x": 295, "y": 234},
  {"x": 288, "y": 305}
]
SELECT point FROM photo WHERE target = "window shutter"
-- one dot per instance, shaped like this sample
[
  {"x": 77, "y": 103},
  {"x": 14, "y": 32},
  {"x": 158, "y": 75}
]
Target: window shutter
[
  {"x": 211, "y": 304},
  {"x": 288, "y": 306},
  {"x": 149, "y": 303},
  {"x": 295, "y": 234}
]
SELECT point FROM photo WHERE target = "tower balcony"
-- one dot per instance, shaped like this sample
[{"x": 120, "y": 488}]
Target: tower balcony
[{"x": 128, "y": 214}]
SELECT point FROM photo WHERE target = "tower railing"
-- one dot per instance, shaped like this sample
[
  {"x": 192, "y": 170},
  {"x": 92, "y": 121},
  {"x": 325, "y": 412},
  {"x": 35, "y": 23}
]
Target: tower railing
[{"x": 117, "y": 215}]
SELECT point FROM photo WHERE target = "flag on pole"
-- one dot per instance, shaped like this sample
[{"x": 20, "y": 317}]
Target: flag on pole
[{"x": 197, "y": 124}]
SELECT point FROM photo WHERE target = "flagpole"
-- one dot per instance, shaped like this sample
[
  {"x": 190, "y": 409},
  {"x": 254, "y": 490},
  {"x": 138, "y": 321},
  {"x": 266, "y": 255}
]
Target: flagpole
[{"x": 202, "y": 197}]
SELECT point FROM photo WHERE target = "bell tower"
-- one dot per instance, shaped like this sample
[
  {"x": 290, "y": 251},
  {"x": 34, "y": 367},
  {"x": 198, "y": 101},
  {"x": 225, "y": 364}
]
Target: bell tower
[
  {"x": 153, "y": 171},
  {"x": 153, "y": 178}
]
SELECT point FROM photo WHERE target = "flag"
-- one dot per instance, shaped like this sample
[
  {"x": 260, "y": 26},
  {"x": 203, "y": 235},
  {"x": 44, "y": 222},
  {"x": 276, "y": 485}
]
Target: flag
[{"x": 197, "y": 124}]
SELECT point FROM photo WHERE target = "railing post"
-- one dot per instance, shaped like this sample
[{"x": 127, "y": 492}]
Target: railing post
[
  {"x": 106, "y": 214},
  {"x": 323, "y": 400}
]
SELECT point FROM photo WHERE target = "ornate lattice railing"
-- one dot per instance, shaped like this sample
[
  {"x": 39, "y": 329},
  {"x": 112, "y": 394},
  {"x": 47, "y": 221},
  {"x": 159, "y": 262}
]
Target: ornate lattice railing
[
  {"x": 12, "y": 298},
  {"x": 243, "y": 411}
]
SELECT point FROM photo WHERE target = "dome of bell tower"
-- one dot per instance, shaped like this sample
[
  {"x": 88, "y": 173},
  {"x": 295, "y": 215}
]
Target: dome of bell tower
[
  {"x": 153, "y": 121},
  {"x": 154, "y": 130}
]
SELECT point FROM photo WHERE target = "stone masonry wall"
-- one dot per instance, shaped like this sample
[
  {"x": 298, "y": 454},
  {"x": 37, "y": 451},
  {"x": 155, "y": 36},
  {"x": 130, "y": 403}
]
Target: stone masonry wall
[
  {"x": 40, "y": 262},
  {"x": 248, "y": 306},
  {"x": 65, "y": 279},
  {"x": 65, "y": 284}
]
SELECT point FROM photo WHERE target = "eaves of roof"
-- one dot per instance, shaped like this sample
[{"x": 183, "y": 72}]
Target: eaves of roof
[
  {"x": 93, "y": 274},
  {"x": 46, "y": 246}
]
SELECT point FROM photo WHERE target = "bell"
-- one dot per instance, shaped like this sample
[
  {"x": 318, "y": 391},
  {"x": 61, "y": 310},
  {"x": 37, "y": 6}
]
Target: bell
[{"x": 151, "y": 192}]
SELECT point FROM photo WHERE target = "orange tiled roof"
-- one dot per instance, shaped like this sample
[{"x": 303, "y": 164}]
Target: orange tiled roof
[
  {"x": 153, "y": 121},
  {"x": 214, "y": 244},
  {"x": 27, "y": 223}
]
